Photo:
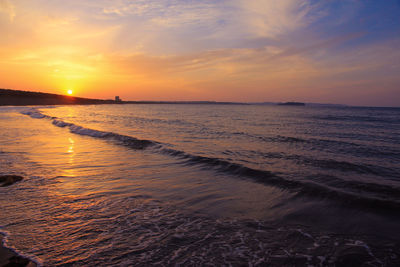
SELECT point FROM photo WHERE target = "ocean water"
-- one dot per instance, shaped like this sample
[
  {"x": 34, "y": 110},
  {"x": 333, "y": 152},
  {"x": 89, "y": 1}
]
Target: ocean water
[{"x": 123, "y": 185}]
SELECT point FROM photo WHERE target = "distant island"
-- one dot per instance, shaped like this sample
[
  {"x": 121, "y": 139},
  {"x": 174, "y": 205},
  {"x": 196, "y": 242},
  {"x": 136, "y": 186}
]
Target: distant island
[{"x": 292, "y": 104}]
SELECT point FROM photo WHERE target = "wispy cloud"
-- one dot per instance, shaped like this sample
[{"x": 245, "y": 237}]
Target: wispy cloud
[
  {"x": 8, "y": 8},
  {"x": 276, "y": 17}
]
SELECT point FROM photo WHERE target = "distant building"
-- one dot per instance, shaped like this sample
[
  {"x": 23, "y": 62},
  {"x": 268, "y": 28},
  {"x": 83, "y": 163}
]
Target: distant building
[{"x": 117, "y": 99}]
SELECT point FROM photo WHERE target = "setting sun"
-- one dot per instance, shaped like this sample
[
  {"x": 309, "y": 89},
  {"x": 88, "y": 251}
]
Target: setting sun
[{"x": 69, "y": 92}]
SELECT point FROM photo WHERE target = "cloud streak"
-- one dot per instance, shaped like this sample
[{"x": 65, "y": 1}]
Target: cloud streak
[{"x": 7, "y": 8}]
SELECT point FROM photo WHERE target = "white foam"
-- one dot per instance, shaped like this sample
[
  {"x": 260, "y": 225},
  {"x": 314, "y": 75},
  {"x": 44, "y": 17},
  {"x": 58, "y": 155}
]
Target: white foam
[
  {"x": 305, "y": 234},
  {"x": 322, "y": 260},
  {"x": 85, "y": 131},
  {"x": 33, "y": 113},
  {"x": 60, "y": 123}
]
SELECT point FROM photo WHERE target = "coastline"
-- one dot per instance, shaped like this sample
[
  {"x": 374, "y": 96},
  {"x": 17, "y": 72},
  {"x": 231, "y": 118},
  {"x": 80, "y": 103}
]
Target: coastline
[
  {"x": 11, "y": 258},
  {"x": 10, "y": 97}
]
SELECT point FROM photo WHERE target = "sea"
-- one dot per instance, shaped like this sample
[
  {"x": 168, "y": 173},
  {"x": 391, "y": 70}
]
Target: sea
[{"x": 202, "y": 185}]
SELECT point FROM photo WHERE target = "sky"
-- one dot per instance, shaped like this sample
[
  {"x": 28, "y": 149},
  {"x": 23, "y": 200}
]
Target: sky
[{"x": 332, "y": 51}]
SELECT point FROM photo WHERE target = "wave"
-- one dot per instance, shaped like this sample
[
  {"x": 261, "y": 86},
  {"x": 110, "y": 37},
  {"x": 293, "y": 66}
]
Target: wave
[
  {"x": 354, "y": 193},
  {"x": 330, "y": 164},
  {"x": 361, "y": 119},
  {"x": 330, "y": 145},
  {"x": 34, "y": 113},
  {"x": 132, "y": 142}
]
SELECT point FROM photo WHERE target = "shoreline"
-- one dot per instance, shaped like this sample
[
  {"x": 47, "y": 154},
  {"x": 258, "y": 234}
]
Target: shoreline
[{"x": 8, "y": 257}]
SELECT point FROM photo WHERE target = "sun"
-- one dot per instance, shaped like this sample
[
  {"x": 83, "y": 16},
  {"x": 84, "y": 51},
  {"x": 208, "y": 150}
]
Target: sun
[{"x": 69, "y": 92}]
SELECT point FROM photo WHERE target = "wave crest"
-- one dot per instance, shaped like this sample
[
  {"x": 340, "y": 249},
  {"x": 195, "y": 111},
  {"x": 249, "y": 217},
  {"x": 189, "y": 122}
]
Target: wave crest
[{"x": 357, "y": 195}]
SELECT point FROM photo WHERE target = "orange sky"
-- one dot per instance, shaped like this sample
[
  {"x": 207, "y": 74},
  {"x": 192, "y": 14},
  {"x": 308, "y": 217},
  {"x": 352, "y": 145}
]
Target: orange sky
[{"x": 286, "y": 50}]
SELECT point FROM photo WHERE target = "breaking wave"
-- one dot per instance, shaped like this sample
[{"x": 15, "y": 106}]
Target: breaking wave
[{"x": 365, "y": 195}]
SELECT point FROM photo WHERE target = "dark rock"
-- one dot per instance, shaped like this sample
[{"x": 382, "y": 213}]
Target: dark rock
[
  {"x": 6, "y": 180},
  {"x": 17, "y": 261},
  {"x": 353, "y": 256}
]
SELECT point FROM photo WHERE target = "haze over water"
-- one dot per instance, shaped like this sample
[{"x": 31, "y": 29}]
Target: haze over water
[{"x": 198, "y": 184}]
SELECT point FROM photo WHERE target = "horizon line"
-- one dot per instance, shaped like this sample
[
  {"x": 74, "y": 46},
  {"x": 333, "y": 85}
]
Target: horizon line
[{"x": 195, "y": 101}]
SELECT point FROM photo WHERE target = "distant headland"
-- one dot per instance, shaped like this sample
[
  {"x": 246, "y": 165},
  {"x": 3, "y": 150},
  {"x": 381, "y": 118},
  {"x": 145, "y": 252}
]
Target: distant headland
[{"x": 9, "y": 97}]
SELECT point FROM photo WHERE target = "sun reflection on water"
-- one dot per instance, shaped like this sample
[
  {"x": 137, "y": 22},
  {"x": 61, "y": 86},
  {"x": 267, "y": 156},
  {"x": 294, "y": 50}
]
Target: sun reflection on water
[
  {"x": 70, "y": 170},
  {"x": 71, "y": 146}
]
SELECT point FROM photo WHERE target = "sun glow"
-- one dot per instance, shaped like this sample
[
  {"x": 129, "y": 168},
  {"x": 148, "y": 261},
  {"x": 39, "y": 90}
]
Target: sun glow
[{"x": 69, "y": 92}]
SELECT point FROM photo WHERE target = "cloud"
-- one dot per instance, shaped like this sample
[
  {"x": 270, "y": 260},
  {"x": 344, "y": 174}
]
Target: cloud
[
  {"x": 170, "y": 27},
  {"x": 246, "y": 64},
  {"x": 129, "y": 8},
  {"x": 8, "y": 8},
  {"x": 274, "y": 58},
  {"x": 275, "y": 17}
]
